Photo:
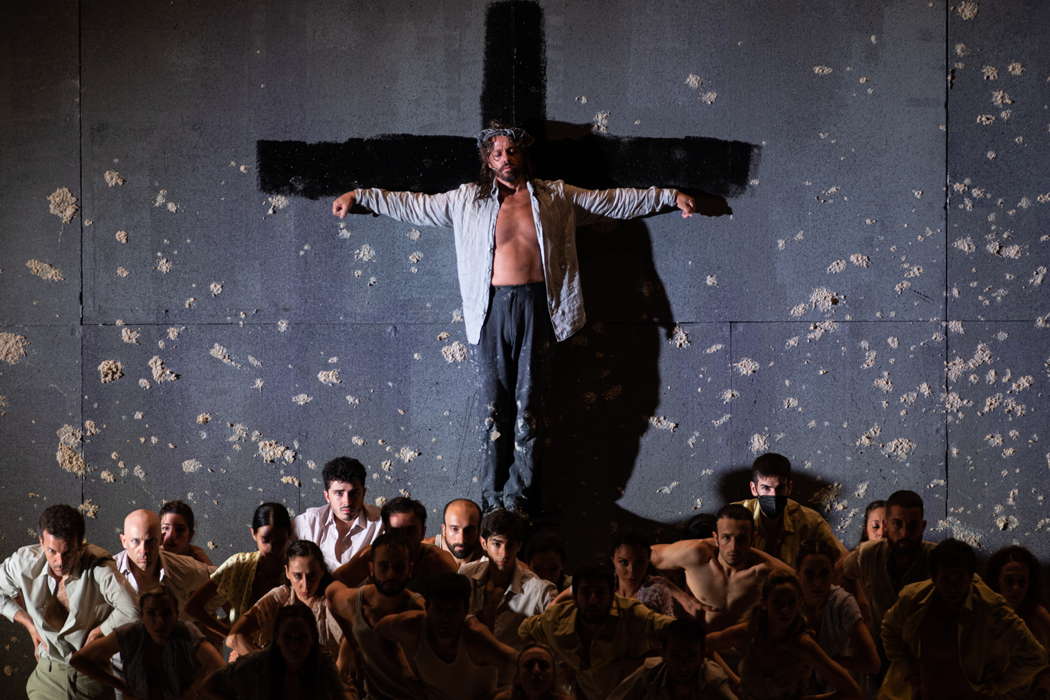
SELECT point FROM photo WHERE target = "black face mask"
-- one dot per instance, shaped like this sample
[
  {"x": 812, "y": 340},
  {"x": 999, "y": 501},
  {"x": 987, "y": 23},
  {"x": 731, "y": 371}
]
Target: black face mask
[{"x": 772, "y": 506}]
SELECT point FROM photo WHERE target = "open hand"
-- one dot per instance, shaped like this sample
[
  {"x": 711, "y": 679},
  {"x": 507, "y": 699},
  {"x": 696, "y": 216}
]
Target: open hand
[
  {"x": 686, "y": 203},
  {"x": 342, "y": 204}
]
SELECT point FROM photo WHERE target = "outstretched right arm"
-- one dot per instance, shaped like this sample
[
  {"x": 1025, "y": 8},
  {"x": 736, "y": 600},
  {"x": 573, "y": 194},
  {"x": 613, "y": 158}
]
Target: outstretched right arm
[{"x": 410, "y": 207}]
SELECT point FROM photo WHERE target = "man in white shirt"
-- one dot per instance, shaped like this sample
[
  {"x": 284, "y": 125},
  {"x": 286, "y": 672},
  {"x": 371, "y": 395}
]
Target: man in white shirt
[
  {"x": 144, "y": 564},
  {"x": 71, "y": 593},
  {"x": 345, "y": 524},
  {"x": 504, "y": 591}
]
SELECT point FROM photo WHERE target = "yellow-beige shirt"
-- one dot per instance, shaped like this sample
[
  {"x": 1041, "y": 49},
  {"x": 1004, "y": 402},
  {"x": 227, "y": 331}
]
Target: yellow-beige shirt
[
  {"x": 630, "y": 633},
  {"x": 799, "y": 524},
  {"x": 997, "y": 652}
]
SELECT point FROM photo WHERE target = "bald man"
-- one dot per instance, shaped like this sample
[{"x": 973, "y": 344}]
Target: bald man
[
  {"x": 144, "y": 564},
  {"x": 460, "y": 533}
]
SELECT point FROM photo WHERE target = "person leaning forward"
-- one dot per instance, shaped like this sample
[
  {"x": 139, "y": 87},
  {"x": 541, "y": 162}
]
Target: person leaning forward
[{"x": 72, "y": 594}]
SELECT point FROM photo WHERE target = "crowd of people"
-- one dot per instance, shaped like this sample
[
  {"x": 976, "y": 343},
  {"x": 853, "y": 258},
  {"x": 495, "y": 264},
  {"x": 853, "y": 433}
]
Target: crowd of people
[{"x": 348, "y": 600}]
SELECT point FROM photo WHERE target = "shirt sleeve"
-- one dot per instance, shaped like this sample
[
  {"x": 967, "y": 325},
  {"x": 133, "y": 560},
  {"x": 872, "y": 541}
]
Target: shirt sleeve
[
  {"x": 1012, "y": 640},
  {"x": 10, "y": 575},
  {"x": 265, "y": 609},
  {"x": 620, "y": 203},
  {"x": 410, "y": 207},
  {"x": 532, "y": 629},
  {"x": 114, "y": 591}
]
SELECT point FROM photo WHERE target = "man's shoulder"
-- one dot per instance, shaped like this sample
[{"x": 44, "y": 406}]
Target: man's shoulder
[
  {"x": 92, "y": 556},
  {"x": 182, "y": 564},
  {"x": 916, "y": 592},
  {"x": 26, "y": 556},
  {"x": 372, "y": 513},
  {"x": 751, "y": 504},
  {"x": 312, "y": 515},
  {"x": 474, "y": 569}
]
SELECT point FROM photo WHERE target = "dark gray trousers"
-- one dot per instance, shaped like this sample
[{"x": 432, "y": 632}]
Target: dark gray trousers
[{"x": 511, "y": 359}]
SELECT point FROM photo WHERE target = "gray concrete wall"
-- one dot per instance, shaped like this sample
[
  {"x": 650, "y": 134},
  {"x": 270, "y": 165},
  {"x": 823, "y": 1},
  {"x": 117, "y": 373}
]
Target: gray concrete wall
[{"x": 816, "y": 321}]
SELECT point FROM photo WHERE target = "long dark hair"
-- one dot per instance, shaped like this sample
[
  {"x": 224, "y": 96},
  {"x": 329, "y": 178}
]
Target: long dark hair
[
  {"x": 1019, "y": 554},
  {"x": 758, "y": 625},
  {"x": 874, "y": 505},
  {"x": 273, "y": 514},
  {"x": 318, "y": 673}
]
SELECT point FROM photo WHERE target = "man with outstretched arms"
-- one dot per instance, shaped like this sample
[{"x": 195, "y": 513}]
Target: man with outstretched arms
[{"x": 519, "y": 277}]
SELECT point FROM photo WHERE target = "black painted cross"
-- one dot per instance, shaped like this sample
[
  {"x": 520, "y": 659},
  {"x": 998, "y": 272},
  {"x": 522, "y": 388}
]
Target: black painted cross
[{"x": 514, "y": 92}]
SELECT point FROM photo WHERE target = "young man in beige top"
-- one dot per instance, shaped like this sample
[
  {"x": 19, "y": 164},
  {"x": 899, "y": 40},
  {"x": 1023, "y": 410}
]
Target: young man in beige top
[{"x": 724, "y": 573}]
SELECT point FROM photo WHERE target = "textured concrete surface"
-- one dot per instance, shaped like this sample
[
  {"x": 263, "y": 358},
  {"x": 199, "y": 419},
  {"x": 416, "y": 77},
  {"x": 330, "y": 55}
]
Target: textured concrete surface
[{"x": 881, "y": 329}]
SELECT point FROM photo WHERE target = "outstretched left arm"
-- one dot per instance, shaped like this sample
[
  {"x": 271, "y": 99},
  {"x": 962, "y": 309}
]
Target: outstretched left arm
[{"x": 626, "y": 202}]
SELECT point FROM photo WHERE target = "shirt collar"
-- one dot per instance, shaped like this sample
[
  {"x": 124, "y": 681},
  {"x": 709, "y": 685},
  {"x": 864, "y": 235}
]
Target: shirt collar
[
  {"x": 356, "y": 525},
  {"x": 123, "y": 562}
]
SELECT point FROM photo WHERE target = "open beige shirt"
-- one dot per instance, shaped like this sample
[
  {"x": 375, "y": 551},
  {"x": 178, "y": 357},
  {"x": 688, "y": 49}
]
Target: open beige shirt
[{"x": 98, "y": 596}]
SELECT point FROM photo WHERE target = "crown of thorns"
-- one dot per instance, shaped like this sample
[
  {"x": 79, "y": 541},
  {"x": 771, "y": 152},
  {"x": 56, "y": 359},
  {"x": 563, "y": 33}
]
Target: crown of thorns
[{"x": 518, "y": 136}]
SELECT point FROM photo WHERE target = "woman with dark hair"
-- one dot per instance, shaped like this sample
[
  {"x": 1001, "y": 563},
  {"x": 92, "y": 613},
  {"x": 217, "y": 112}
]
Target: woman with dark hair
[
  {"x": 177, "y": 529},
  {"x": 161, "y": 657},
  {"x": 832, "y": 613},
  {"x": 292, "y": 667},
  {"x": 874, "y": 522},
  {"x": 535, "y": 676},
  {"x": 246, "y": 576},
  {"x": 778, "y": 652},
  {"x": 307, "y": 579},
  {"x": 1013, "y": 573}
]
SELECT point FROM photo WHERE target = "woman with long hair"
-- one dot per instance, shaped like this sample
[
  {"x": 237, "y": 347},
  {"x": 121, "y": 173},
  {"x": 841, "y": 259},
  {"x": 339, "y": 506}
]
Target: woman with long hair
[
  {"x": 161, "y": 657},
  {"x": 778, "y": 651},
  {"x": 874, "y": 522},
  {"x": 246, "y": 576},
  {"x": 292, "y": 667},
  {"x": 308, "y": 577},
  {"x": 1013, "y": 573}
]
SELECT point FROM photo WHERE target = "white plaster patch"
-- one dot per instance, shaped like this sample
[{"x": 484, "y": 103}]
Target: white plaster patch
[{"x": 44, "y": 271}]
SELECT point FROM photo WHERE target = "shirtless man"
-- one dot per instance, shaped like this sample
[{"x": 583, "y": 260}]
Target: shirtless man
[
  {"x": 724, "y": 573},
  {"x": 460, "y": 528},
  {"x": 408, "y": 518},
  {"x": 520, "y": 283},
  {"x": 358, "y": 611},
  {"x": 452, "y": 653}
]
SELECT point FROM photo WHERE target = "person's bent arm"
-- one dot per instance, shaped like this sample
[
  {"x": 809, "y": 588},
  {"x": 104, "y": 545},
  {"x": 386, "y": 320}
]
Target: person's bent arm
[
  {"x": 410, "y": 207},
  {"x": 115, "y": 592},
  {"x": 93, "y": 660},
  {"x": 241, "y": 634},
  {"x": 832, "y": 673},
  {"x": 354, "y": 572},
  {"x": 196, "y": 608},
  {"x": 683, "y": 554},
  {"x": 23, "y": 618},
  {"x": 727, "y": 639},
  {"x": 865, "y": 658},
  {"x": 401, "y": 628},
  {"x": 209, "y": 660}
]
